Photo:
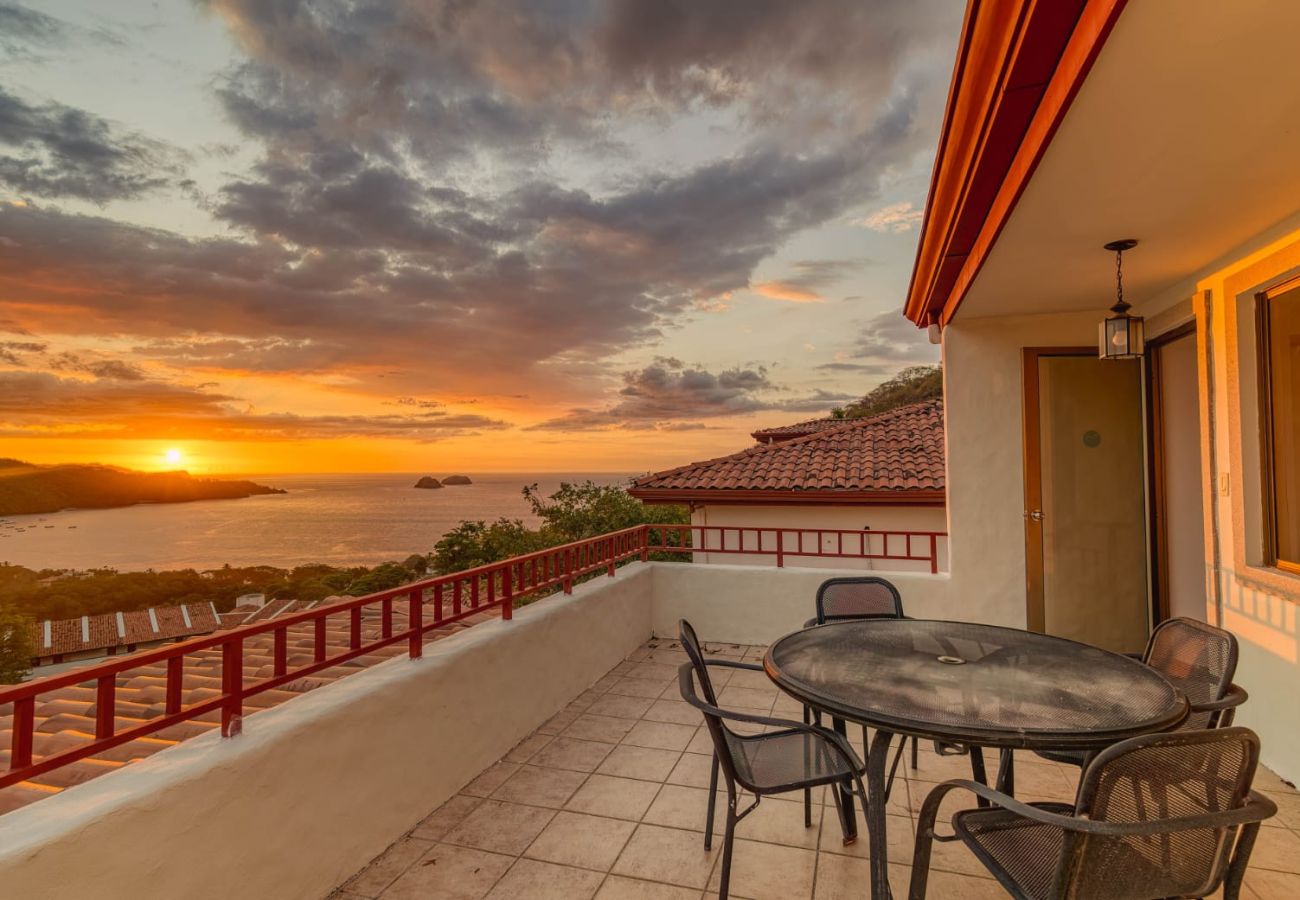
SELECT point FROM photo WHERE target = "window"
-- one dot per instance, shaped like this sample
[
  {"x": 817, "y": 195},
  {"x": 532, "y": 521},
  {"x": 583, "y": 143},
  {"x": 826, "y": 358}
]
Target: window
[{"x": 1279, "y": 369}]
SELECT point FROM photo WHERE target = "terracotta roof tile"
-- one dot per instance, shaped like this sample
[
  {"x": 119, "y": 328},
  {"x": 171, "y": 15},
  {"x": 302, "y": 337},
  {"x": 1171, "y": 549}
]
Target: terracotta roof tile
[
  {"x": 898, "y": 452},
  {"x": 795, "y": 430}
]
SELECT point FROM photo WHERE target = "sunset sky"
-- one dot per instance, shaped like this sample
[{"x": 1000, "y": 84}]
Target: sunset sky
[{"x": 437, "y": 235}]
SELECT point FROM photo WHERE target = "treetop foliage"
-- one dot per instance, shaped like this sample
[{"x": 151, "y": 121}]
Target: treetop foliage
[{"x": 912, "y": 385}]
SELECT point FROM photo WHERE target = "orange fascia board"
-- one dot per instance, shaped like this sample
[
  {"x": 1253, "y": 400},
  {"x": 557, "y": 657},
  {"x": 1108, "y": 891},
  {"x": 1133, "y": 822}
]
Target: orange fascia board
[
  {"x": 733, "y": 497},
  {"x": 1019, "y": 66}
]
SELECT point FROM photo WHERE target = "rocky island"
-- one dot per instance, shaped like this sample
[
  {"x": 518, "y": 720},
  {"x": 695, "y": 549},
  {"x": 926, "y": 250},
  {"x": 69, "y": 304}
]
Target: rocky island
[
  {"x": 456, "y": 479},
  {"x": 428, "y": 481},
  {"x": 26, "y": 488}
]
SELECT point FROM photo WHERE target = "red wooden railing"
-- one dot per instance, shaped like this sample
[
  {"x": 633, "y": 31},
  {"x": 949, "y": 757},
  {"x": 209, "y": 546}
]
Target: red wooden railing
[{"x": 448, "y": 598}]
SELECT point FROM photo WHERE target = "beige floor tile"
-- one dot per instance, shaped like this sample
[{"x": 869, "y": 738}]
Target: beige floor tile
[
  {"x": 701, "y": 743},
  {"x": 678, "y": 806},
  {"x": 490, "y": 779},
  {"x": 660, "y": 735},
  {"x": 768, "y": 872},
  {"x": 450, "y": 873},
  {"x": 752, "y": 680},
  {"x": 679, "y": 712},
  {"x": 573, "y": 754},
  {"x": 776, "y": 821},
  {"x": 620, "y": 706},
  {"x": 618, "y": 798},
  {"x": 692, "y": 770},
  {"x": 732, "y": 697},
  {"x": 1267, "y": 780},
  {"x": 667, "y": 855},
  {"x": 446, "y": 817},
  {"x": 540, "y": 787},
  {"x": 645, "y": 763},
  {"x": 638, "y": 687},
  {"x": 384, "y": 869},
  {"x": 655, "y": 671},
  {"x": 616, "y": 887},
  {"x": 1277, "y": 849},
  {"x": 558, "y": 722},
  {"x": 1288, "y": 809},
  {"x": 525, "y": 749},
  {"x": 500, "y": 827},
  {"x": 604, "y": 684},
  {"x": 1273, "y": 885},
  {"x": 609, "y": 729},
  {"x": 849, "y": 878},
  {"x": 530, "y": 879},
  {"x": 623, "y": 668},
  {"x": 576, "y": 839},
  {"x": 898, "y": 833}
]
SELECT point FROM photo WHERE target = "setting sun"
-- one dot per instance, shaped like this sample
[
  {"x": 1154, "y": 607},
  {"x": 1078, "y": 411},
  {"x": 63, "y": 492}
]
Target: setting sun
[{"x": 173, "y": 455}]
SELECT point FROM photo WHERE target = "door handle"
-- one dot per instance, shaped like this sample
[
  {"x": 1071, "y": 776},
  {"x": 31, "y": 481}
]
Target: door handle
[{"x": 1034, "y": 514}]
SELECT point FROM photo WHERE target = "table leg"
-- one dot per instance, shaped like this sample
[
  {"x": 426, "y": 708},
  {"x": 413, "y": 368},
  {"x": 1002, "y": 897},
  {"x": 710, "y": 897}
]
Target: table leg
[
  {"x": 1007, "y": 773},
  {"x": 846, "y": 796},
  {"x": 878, "y": 844}
]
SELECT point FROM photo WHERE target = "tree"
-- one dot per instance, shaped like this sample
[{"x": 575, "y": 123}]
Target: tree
[
  {"x": 473, "y": 544},
  {"x": 912, "y": 385},
  {"x": 578, "y": 511},
  {"x": 16, "y": 646}
]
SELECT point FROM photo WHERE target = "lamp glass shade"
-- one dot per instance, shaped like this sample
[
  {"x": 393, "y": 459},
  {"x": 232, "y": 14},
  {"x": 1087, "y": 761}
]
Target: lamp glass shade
[{"x": 1121, "y": 336}]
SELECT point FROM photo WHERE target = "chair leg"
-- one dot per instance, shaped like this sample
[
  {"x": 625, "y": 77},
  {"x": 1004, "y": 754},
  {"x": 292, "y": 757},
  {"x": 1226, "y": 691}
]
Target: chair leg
[
  {"x": 713, "y": 798},
  {"x": 728, "y": 838},
  {"x": 977, "y": 770},
  {"x": 807, "y": 792},
  {"x": 915, "y": 755}
]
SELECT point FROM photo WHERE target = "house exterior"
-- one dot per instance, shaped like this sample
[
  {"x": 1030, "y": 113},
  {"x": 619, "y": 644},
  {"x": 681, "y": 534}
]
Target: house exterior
[
  {"x": 1095, "y": 497},
  {"x": 88, "y": 637},
  {"x": 883, "y": 474}
]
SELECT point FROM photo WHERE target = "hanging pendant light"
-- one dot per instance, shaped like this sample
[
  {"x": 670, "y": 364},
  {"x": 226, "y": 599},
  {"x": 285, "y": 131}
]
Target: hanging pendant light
[{"x": 1120, "y": 335}]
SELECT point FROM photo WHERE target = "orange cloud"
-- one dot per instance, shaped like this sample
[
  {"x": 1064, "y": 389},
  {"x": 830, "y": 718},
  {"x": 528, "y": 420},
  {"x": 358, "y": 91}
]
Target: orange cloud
[{"x": 785, "y": 290}]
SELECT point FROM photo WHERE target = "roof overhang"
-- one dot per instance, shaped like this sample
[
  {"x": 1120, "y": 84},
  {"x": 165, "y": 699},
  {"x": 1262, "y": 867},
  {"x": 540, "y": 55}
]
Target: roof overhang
[
  {"x": 1178, "y": 129},
  {"x": 790, "y": 498},
  {"x": 1019, "y": 64}
]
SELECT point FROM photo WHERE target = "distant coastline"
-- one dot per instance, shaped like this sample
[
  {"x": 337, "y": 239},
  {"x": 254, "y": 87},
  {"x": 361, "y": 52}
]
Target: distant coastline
[{"x": 26, "y": 488}]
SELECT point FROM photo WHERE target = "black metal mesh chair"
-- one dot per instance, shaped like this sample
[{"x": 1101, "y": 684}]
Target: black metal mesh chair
[
  {"x": 1163, "y": 815},
  {"x": 859, "y": 597},
  {"x": 790, "y": 756},
  {"x": 1200, "y": 661}
]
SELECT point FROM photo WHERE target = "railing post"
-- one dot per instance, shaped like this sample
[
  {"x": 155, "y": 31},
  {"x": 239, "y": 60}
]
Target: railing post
[
  {"x": 232, "y": 686},
  {"x": 105, "y": 705},
  {"x": 508, "y": 593},
  {"x": 609, "y": 552},
  {"x": 280, "y": 652},
  {"x": 20, "y": 755},
  {"x": 569, "y": 559},
  {"x": 354, "y": 632},
  {"x": 415, "y": 617},
  {"x": 934, "y": 554},
  {"x": 386, "y": 617},
  {"x": 780, "y": 549},
  {"x": 175, "y": 681},
  {"x": 645, "y": 543},
  {"x": 318, "y": 649}
]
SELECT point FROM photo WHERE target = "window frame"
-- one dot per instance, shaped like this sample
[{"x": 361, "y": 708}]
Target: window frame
[{"x": 1268, "y": 472}]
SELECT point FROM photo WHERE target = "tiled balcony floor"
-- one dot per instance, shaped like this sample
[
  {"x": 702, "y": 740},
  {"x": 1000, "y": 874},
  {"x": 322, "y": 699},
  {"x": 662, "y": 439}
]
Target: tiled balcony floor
[{"x": 607, "y": 800}]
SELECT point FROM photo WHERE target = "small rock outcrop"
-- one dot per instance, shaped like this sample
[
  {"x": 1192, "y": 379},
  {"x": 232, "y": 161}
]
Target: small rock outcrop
[
  {"x": 428, "y": 481},
  {"x": 457, "y": 479}
]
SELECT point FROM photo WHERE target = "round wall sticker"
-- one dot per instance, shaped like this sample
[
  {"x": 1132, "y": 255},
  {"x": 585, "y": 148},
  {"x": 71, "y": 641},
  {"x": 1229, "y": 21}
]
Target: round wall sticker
[{"x": 1091, "y": 439}]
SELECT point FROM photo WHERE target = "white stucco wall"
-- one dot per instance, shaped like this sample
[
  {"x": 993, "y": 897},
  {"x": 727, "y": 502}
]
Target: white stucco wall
[
  {"x": 757, "y": 604},
  {"x": 984, "y": 435},
  {"x": 318, "y": 786},
  {"x": 850, "y": 518}
]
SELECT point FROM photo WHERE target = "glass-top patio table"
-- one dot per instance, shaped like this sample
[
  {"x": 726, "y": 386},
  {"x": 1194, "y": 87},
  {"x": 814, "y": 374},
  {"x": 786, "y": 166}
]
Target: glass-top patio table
[{"x": 966, "y": 683}]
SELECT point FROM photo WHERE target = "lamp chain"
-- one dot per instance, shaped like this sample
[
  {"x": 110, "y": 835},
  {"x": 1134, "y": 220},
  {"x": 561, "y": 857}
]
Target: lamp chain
[{"x": 1119, "y": 278}]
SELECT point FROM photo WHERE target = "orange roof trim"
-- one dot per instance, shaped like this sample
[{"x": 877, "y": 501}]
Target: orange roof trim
[{"x": 1019, "y": 65}]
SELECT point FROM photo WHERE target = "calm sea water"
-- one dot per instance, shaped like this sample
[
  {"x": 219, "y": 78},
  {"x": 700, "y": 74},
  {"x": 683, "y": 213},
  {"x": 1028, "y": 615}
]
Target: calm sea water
[{"x": 335, "y": 519}]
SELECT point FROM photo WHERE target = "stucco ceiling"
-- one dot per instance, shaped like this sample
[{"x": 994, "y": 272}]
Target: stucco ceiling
[{"x": 1185, "y": 135}]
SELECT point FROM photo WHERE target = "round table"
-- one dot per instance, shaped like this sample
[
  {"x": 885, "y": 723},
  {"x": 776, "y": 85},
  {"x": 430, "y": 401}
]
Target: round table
[{"x": 971, "y": 684}]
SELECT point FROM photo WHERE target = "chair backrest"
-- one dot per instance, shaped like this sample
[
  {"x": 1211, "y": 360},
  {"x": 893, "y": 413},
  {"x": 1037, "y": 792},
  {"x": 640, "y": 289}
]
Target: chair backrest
[
  {"x": 1151, "y": 779},
  {"x": 1199, "y": 659},
  {"x": 724, "y": 741},
  {"x": 865, "y": 597}
]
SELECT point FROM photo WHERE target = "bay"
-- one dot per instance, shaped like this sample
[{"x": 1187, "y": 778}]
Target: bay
[{"x": 341, "y": 520}]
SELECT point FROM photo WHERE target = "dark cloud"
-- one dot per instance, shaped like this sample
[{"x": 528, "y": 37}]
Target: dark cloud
[
  {"x": 10, "y": 350},
  {"x": 58, "y": 151},
  {"x": 807, "y": 280},
  {"x": 22, "y": 28},
  {"x": 890, "y": 338},
  {"x": 112, "y": 369},
  {"x": 669, "y": 395},
  {"x": 38, "y": 404},
  {"x": 863, "y": 368}
]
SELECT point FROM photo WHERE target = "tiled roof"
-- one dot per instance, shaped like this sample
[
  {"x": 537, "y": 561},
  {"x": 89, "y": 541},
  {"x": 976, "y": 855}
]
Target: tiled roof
[
  {"x": 66, "y": 717},
  {"x": 897, "y": 455},
  {"x": 798, "y": 429},
  {"x": 120, "y": 629}
]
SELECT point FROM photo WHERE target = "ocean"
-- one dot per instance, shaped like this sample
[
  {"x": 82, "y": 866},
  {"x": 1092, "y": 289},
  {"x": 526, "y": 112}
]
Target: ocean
[{"x": 360, "y": 519}]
